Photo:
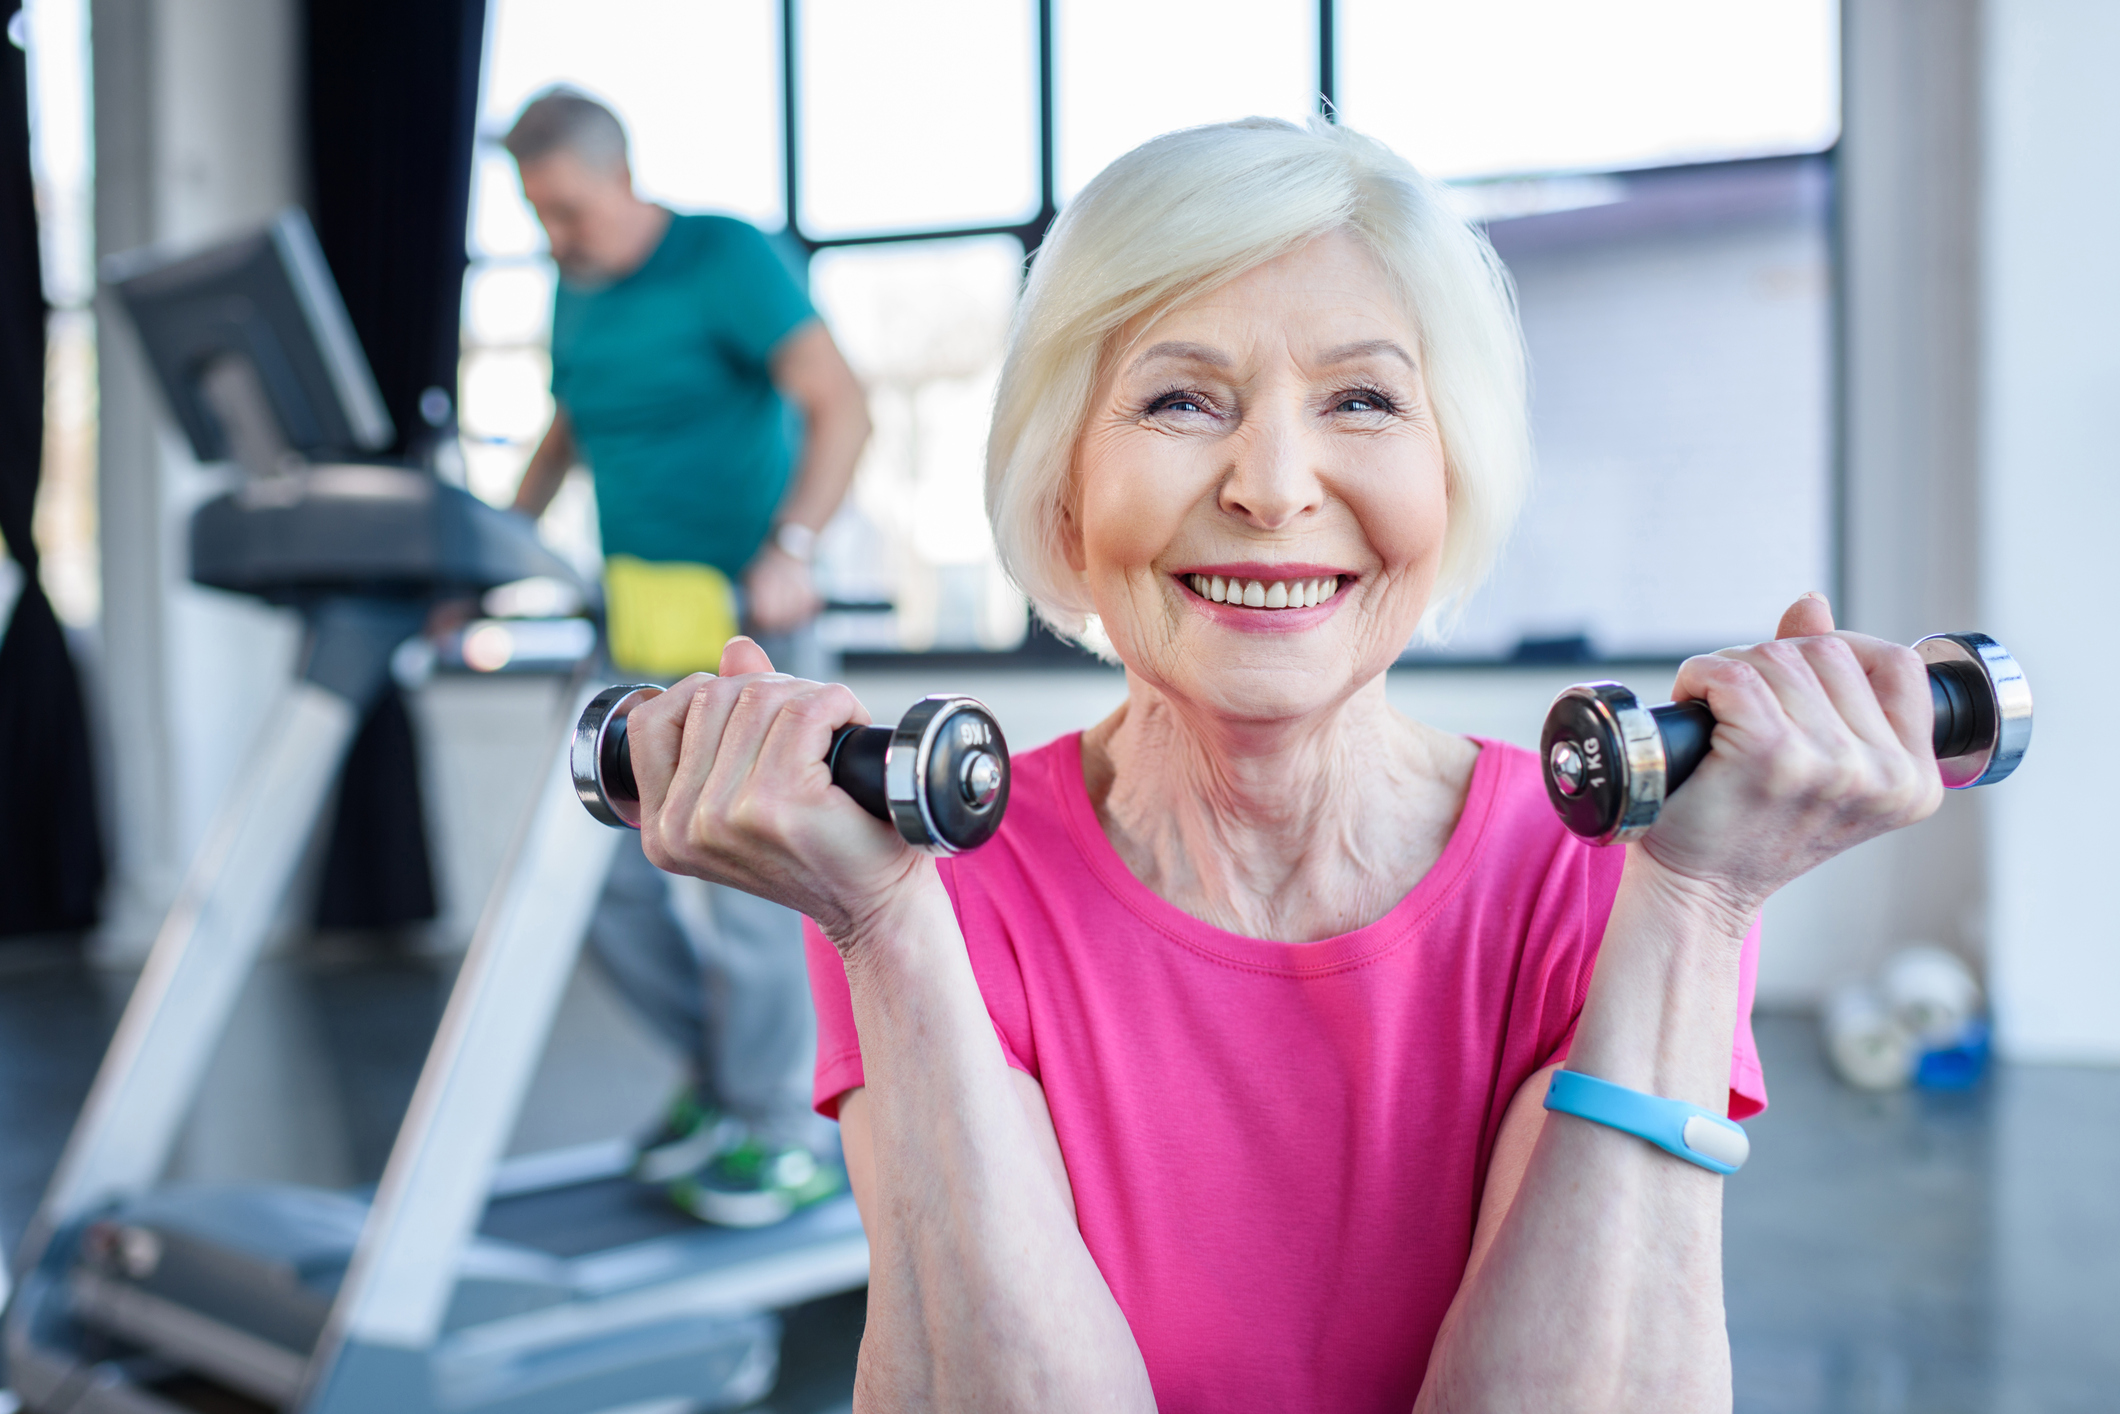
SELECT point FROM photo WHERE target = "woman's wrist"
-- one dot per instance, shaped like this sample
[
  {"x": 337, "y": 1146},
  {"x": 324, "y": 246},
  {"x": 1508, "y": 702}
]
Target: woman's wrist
[
  {"x": 1663, "y": 1001},
  {"x": 894, "y": 921},
  {"x": 1688, "y": 908}
]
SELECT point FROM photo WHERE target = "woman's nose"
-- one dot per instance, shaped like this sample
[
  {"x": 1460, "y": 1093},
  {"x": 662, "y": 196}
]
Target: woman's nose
[{"x": 1272, "y": 479}]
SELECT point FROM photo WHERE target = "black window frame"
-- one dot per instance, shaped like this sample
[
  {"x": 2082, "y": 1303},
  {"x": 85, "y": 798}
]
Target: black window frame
[{"x": 1030, "y": 232}]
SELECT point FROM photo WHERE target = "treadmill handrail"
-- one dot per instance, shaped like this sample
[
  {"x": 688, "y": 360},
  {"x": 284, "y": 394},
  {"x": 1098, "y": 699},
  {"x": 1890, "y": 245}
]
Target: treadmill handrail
[{"x": 440, "y": 1170}]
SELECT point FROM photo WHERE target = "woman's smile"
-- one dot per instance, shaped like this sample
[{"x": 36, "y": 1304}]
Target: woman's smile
[{"x": 1261, "y": 598}]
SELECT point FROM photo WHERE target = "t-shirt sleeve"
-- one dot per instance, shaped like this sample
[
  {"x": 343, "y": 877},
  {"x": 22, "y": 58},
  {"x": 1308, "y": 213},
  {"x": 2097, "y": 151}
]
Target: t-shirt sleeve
[
  {"x": 755, "y": 300},
  {"x": 839, "y": 1066},
  {"x": 838, "y": 1047},
  {"x": 1748, "y": 1081}
]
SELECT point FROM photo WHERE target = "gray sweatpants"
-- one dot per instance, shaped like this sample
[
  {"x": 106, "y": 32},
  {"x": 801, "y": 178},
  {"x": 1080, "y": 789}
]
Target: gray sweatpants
[{"x": 719, "y": 975}]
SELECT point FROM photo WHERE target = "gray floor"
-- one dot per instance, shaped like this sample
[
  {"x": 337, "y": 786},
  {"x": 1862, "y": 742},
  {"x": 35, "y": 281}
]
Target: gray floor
[{"x": 1923, "y": 1253}]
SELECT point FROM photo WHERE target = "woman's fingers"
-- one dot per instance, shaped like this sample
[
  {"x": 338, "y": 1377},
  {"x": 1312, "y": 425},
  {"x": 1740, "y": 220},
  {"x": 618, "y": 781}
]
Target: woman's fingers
[
  {"x": 655, "y": 738},
  {"x": 705, "y": 713},
  {"x": 742, "y": 655},
  {"x": 752, "y": 746},
  {"x": 1836, "y": 719},
  {"x": 1808, "y": 617},
  {"x": 800, "y": 733},
  {"x": 758, "y": 702}
]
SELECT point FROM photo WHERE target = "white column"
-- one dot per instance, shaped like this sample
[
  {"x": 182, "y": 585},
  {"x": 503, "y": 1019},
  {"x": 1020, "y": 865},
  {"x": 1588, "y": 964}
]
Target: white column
[
  {"x": 198, "y": 124},
  {"x": 2050, "y": 511},
  {"x": 1909, "y": 365}
]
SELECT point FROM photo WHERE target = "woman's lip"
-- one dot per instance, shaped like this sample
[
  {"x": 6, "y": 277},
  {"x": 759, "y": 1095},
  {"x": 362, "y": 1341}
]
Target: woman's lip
[
  {"x": 1266, "y": 574},
  {"x": 1261, "y": 619},
  {"x": 1237, "y": 616}
]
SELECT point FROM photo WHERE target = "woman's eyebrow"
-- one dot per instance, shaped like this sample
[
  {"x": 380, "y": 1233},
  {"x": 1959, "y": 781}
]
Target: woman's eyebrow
[
  {"x": 1367, "y": 348},
  {"x": 1190, "y": 353}
]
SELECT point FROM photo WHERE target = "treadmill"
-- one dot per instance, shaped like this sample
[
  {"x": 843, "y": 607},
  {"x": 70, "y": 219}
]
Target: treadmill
[{"x": 543, "y": 1284}]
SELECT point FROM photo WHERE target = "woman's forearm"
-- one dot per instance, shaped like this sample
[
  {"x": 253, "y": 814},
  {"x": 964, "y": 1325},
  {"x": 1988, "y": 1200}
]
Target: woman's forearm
[
  {"x": 1603, "y": 1287},
  {"x": 982, "y": 1295}
]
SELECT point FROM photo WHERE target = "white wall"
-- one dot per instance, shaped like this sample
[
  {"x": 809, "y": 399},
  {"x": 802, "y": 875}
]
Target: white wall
[
  {"x": 2049, "y": 509},
  {"x": 1682, "y": 410},
  {"x": 198, "y": 130}
]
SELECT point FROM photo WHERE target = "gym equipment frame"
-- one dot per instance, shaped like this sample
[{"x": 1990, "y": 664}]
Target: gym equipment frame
[{"x": 546, "y": 1284}]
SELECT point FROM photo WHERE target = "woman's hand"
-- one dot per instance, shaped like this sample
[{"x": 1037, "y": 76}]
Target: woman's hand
[
  {"x": 733, "y": 788},
  {"x": 1822, "y": 740}
]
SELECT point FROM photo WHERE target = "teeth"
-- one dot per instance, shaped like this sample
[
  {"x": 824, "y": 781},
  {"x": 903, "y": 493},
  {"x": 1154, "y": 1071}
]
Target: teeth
[{"x": 1259, "y": 594}]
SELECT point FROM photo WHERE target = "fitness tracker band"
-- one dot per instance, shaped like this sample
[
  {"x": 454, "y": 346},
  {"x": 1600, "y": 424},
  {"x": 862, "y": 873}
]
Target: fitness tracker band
[
  {"x": 1692, "y": 1133},
  {"x": 795, "y": 540}
]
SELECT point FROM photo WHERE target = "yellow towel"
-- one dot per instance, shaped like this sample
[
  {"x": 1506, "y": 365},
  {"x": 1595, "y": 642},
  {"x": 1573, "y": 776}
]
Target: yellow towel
[{"x": 667, "y": 619}]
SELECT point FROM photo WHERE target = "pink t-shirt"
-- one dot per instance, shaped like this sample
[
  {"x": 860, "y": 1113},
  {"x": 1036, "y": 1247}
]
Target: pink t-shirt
[{"x": 1277, "y": 1149}]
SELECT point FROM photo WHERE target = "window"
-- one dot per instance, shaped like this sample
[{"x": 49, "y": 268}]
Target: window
[
  {"x": 923, "y": 323},
  {"x": 916, "y": 115},
  {"x": 1649, "y": 169},
  {"x": 1511, "y": 86},
  {"x": 1126, "y": 70}
]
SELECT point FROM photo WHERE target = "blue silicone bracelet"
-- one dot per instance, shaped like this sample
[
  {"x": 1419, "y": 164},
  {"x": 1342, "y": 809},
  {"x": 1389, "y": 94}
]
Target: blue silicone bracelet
[{"x": 1694, "y": 1134}]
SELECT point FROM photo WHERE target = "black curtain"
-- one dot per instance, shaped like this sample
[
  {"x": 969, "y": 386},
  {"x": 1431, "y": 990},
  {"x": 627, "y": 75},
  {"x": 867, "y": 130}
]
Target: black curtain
[
  {"x": 51, "y": 855},
  {"x": 393, "y": 104}
]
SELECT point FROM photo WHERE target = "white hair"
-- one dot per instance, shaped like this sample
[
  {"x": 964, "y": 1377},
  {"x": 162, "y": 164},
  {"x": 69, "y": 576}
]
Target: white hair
[{"x": 1189, "y": 211}]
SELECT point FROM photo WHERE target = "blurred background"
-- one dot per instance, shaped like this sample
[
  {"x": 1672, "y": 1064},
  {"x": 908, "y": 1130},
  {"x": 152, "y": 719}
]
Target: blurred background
[{"x": 1817, "y": 296}]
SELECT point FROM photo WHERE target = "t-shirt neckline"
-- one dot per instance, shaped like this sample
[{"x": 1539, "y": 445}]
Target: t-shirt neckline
[{"x": 1326, "y": 955}]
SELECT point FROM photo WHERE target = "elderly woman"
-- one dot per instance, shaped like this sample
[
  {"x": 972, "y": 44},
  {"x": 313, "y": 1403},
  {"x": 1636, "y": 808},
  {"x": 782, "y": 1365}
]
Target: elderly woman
[{"x": 1215, "y": 1081}]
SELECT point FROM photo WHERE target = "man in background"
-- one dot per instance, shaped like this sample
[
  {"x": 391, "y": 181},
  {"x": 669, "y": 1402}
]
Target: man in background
[{"x": 681, "y": 345}]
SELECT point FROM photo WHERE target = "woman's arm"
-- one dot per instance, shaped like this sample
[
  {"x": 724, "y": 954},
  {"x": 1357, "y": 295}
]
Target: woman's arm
[
  {"x": 1596, "y": 1276},
  {"x": 982, "y": 1295}
]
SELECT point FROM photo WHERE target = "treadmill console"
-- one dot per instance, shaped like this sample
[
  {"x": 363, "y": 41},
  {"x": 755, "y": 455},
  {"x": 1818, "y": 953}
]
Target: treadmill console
[{"x": 378, "y": 530}]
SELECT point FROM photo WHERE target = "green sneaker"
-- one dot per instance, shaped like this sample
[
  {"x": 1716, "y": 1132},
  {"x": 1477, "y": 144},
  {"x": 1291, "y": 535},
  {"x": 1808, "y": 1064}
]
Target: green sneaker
[
  {"x": 751, "y": 1185},
  {"x": 692, "y": 1135}
]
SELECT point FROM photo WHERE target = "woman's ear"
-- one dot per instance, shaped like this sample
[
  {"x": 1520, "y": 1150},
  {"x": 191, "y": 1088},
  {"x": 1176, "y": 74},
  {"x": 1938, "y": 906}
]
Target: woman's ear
[{"x": 1071, "y": 531}]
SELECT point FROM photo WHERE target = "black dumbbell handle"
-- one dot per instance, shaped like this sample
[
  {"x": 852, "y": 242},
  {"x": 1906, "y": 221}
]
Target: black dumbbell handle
[
  {"x": 939, "y": 777},
  {"x": 1685, "y": 726},
  {"x": 856, "y": 759}
]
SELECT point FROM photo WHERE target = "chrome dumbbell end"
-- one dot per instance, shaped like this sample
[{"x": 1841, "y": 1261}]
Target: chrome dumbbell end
[
  {"x": 599, "y": 760},
  {"x": 1983, "y": 708},
  {"x": 940, "y": 776},
  {"x": 1603, "y": 761},
  {"x": 1609, "y": 763},
  {"x": 946, "y": 774}
]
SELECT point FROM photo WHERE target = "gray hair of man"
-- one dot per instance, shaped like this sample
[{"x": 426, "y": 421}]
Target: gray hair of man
[{"x": 567, "y": 120}]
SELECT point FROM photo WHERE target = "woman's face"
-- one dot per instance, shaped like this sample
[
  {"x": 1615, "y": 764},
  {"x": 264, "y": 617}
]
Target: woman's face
[{"x": 1259, "y": 490}]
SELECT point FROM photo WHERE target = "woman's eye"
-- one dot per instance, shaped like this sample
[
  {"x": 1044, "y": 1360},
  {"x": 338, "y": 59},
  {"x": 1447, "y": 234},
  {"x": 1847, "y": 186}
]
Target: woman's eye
[
  {"x": 1362, "y": 402},
  {"x": 1178, "y": 402}
]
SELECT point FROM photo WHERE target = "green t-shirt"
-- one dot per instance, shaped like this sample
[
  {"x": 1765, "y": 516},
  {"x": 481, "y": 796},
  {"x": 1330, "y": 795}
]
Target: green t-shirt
[{"x": 664, "y": 376}]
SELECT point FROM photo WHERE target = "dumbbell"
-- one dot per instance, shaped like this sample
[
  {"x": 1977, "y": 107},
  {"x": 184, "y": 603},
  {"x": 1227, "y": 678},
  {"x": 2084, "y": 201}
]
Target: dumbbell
[
  {"x": 1610, "y": 762},
  {"x": 940, "y": 776}
]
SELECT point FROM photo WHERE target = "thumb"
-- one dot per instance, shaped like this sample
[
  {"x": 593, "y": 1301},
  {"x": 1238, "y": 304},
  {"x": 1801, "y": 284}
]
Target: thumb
[
  {"x": 742, "y": 656},
  {"x": 1809, "y": 617}
]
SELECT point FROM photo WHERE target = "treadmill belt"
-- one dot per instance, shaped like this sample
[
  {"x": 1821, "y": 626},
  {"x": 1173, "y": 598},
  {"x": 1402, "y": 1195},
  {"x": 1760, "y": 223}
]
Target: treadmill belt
[{"x": 587, "y": 1217}]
